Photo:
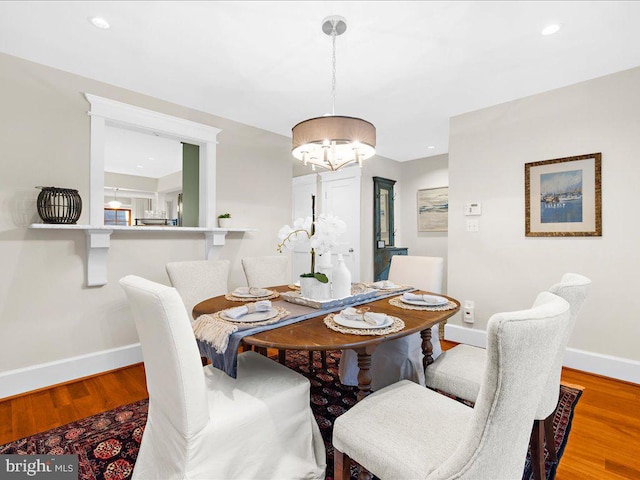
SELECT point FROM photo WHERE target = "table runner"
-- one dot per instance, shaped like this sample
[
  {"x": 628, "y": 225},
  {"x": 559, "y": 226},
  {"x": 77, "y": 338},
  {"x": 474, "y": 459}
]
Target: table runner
[{"x": 228, "y": 361}]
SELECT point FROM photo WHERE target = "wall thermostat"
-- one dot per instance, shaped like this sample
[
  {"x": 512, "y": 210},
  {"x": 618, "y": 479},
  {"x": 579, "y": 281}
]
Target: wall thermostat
[{"x": 472, "y": 209}]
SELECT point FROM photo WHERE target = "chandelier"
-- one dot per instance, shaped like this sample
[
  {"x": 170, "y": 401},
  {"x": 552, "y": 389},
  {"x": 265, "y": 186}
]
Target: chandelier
[
  {"x": 333, "y": 141},
  {"x": 115, "y": 203}
]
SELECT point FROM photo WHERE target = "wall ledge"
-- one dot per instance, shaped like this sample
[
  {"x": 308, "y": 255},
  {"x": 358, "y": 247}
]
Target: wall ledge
[{"x": 99, "y": 241}]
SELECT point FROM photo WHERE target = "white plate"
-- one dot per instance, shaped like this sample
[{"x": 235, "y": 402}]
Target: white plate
[
  {"x": 251, "y": 295},
  {"x": 441, "y": 301},
  {"x": 345, "y": 322},
  {"x": 251, "y": 317},
  {"x": 394, "y": 287}
]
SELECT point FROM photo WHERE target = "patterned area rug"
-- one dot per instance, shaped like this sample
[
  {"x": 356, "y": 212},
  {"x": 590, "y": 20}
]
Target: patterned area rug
[{"x": 107, "y": 444}]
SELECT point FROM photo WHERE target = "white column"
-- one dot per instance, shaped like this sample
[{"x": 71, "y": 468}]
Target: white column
[{"x": 96, "y": 172}]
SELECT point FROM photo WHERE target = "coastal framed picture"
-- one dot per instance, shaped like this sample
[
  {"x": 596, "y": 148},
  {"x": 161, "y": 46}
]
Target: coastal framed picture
[
  {"x": 433, "y": 209},
  {"x": 563, "y": 197}
]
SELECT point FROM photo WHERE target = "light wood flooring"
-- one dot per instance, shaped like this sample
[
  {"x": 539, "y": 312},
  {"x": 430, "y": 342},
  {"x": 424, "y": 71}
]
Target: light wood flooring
[{"x": 604, "y": 442}]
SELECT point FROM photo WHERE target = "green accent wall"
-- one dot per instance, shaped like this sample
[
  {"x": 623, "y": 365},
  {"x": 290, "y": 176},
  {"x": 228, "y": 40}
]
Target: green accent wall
[{"x": 190, "y": 185}]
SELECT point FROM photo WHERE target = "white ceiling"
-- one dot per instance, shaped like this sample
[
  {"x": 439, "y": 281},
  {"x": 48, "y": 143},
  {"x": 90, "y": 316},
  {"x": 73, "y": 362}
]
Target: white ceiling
[
  {"x": 405, "y": 66},
  {"x": 131, "y": 152}
]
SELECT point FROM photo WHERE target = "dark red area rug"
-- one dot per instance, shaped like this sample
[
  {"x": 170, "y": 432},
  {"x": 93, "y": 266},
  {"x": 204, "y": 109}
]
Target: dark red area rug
[{"x": 107, "y": 444}]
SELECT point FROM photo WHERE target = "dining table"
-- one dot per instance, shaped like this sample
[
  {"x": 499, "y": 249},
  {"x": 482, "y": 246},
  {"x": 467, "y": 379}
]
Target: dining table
[{"x": 312, "y": 334}]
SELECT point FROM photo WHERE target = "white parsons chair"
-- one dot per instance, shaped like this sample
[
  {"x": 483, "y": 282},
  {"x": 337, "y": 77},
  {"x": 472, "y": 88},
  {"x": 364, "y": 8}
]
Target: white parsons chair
[
  {"x": 270, "y": 271},
  {"x": 406, "y": 431},
  {"x": 459, "y": 371},
  {"x": 198, "y": 280},
  {"x": 203, "y": 424},
  {"x": 267, "y": 271},
  {"x": 400, "y": 359}
]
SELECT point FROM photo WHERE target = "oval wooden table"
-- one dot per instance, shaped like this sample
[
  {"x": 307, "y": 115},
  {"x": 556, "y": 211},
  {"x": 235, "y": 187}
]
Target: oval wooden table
[{"x": 313, "y": 334}]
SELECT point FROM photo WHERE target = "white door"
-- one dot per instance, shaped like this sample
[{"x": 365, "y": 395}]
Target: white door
[
  {"x": 303, "y": 188},
  {"x": 340, "y": 196}
]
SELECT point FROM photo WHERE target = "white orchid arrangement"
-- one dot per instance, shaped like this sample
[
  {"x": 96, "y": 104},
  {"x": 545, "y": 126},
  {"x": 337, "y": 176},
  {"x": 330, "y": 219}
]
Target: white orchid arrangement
[{"x": 320, "y": 234}]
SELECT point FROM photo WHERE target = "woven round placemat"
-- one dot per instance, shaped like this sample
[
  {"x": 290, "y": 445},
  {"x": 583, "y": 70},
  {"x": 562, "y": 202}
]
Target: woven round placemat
[
  {"x": 396, "y": 326},
  {"x": 282, "y": 312},
  {"x": 396, "y": 302},
  {"x": 233, "y": 298}
]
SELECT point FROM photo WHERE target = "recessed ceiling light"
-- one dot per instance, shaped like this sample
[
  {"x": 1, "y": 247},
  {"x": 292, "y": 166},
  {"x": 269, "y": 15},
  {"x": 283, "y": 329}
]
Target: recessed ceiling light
[
  {"x": 431, "y": 147},
  {"x": 551, "y": 29},
  {"x": 99, "y": 22},
  {"x": 139, "y": 166}
]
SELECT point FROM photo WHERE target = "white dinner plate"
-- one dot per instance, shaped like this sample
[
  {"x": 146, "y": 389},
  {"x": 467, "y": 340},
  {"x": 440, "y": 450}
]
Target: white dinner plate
[
  {"x": 440, "y": 301},
  {"x": 395, "y": 287},
  {"x": 252, "y": 295},
  {"x": 345, "y": 322},
  {"x": 251, "y": 317}
]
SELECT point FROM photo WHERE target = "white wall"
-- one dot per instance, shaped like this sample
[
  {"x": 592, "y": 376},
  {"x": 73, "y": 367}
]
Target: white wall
[
  {"x": 498, "y": 266},
  {"x": 431, "y": 172},
  {"x": 47, "y": 314}
]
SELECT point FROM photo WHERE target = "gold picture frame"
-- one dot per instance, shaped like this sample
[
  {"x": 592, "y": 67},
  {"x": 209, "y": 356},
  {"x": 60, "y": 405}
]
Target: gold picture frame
[{"x": 563, "y": 197}]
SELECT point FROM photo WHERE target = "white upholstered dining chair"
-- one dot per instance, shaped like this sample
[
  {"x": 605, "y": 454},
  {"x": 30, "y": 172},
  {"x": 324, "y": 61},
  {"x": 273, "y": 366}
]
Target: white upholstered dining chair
[
  {"x": 198, "y": 280},
  {"x": 271, "y": 271},
  {"x": 406, "y": 431},
  {"x": 459, "y": 371},
  {"x": 267, "y": 271},
  {"x": 203, "y": 424},
  {"x": 400, "y": 359}
]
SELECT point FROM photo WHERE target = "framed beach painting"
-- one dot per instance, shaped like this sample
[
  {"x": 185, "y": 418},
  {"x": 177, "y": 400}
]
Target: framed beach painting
[
  {"x": 433, "y": 209},
  {"x": 563, "y": 197}
]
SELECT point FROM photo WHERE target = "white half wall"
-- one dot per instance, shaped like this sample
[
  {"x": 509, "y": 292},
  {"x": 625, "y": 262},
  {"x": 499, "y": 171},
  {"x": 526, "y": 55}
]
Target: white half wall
[{"x": 47, "y": 314}]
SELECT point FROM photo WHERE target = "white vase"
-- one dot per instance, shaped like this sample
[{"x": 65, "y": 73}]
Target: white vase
[
  {"x": 311, "y": 288},
  {"x": 323, "y": 265},
  {"x": 224, "y": 222},
  {"x": 341, "y": 280}
]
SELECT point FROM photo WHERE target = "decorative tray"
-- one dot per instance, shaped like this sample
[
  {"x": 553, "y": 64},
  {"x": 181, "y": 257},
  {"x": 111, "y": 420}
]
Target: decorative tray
[
  {"x": 152, "y": 221},
  {"x": 295, "y": 297}
]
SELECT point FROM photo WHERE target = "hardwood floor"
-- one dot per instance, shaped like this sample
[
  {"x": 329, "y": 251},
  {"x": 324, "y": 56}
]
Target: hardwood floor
[{"x": 604, "y": 442}]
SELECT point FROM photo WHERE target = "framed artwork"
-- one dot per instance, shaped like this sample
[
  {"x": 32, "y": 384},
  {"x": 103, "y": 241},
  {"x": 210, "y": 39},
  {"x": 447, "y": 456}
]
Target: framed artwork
[
  {"x": 433, "y": 209},
  {"x": 563, "y": 197}
]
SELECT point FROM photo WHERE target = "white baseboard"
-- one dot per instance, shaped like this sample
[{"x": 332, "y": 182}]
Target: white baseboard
[
  {"x": 466, "y": 335},
  {"x": 598, "y": 363},
  {"x": 21, "y": 380}
]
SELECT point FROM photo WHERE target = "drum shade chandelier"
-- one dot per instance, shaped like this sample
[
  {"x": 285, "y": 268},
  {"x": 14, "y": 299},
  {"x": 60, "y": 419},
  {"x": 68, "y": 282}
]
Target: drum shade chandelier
[{"x": 333, "y": 141}]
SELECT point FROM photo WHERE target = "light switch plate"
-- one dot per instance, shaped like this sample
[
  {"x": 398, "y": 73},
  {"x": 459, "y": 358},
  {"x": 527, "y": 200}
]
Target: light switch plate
[{"x": 473, "y": 208}]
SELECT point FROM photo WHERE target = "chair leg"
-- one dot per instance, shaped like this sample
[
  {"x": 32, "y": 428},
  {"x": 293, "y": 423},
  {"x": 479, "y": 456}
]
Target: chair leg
[
  {"x": 282, "y": 356},
  {"x": 341, "y": 465},
  {"x": 364, "y": 474},
  {"x": 549, "y": 435},
  {"x": 537, "y": 450},
  {"x": 323, "y": 357}
]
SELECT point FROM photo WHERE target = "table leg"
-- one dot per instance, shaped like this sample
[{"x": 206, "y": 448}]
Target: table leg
[
  {"x": 364, "y": 371},
  {"x": 427, "y": 348}
]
